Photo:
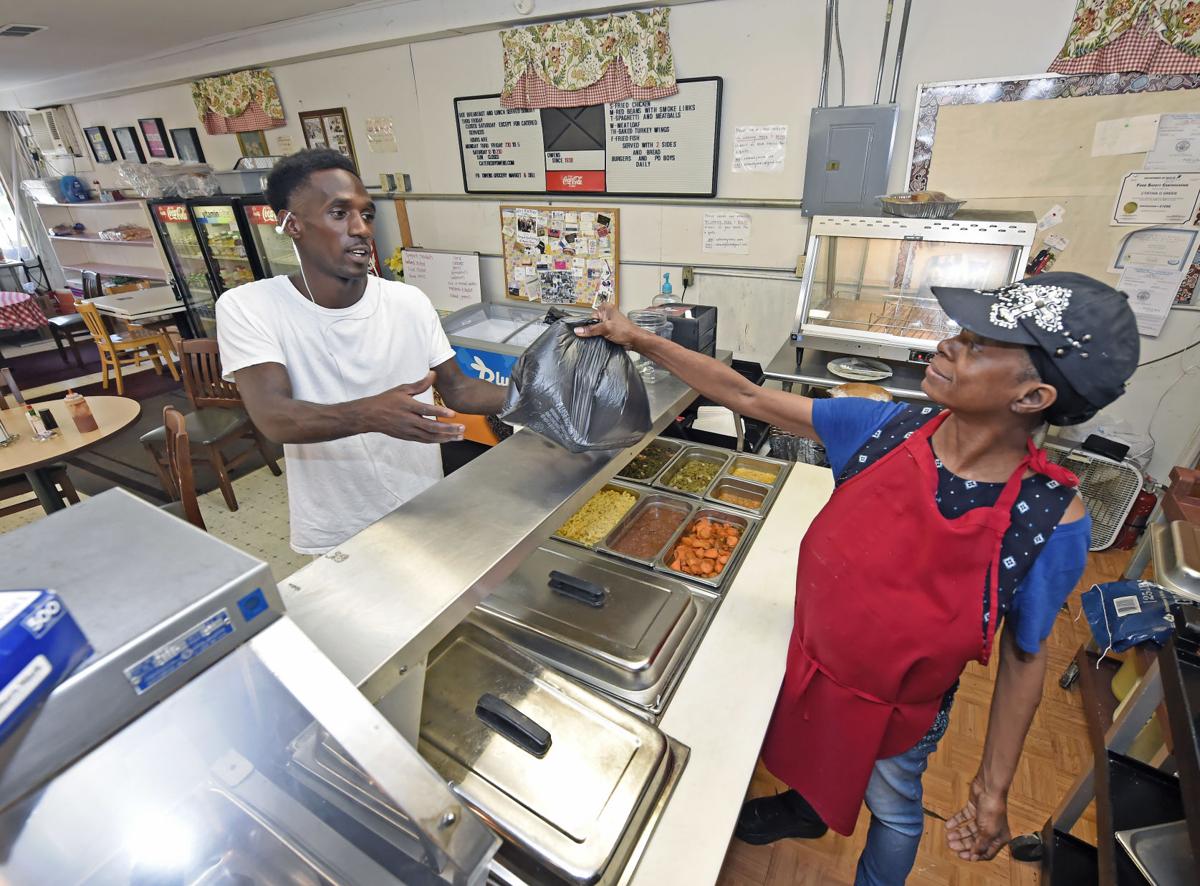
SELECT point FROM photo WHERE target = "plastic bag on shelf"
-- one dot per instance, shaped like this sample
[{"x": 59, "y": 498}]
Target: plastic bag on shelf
[
  {"x": 581, "y": 393},
  {"x": 140, "y": 178},
  {"x": 195, "y": 180}
]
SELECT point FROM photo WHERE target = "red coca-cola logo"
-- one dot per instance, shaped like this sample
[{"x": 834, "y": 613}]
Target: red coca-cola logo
[
  {"x": 262, "y": 215},
  {"x": 175, "y": 212},
  {"x": 588, "y": 180}
]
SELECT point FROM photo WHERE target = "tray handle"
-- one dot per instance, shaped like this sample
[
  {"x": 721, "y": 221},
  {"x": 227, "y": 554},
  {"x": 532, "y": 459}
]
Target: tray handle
[
  {"x": 580, "y": 589},
  {"x": 499, "y": 716}
]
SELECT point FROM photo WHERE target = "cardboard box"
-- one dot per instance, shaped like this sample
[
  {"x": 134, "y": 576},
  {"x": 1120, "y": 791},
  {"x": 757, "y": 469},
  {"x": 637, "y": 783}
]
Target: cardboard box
[{"x": 40, "y": 644}]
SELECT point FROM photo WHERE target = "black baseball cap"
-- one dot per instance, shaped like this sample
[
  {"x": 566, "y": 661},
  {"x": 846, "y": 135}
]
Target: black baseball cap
[{"x": 1080, "y": 333}]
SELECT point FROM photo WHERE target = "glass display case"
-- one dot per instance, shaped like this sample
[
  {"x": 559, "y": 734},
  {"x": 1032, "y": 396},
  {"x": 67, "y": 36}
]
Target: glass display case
[{"x": 867, "y": 279}]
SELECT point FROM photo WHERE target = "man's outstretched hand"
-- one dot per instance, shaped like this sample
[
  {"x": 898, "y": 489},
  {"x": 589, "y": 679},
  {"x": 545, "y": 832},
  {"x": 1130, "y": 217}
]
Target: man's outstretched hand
[{"x": 980, "y": 829}]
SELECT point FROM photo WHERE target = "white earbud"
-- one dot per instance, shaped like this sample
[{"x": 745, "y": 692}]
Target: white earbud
[{"x": 282, "y": 221}]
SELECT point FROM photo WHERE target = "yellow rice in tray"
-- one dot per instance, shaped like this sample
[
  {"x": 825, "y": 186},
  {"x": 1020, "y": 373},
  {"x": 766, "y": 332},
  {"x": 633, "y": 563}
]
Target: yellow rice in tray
[{"x": 596, "y": 519}]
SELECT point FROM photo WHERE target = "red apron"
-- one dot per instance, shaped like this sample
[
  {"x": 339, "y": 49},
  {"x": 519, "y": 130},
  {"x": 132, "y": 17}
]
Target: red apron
[{"x": 889, "y": 610}]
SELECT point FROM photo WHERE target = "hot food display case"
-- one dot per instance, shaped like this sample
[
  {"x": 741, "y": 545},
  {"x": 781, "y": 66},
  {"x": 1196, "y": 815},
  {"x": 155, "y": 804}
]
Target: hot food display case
[{"x": 866, "y": 287}]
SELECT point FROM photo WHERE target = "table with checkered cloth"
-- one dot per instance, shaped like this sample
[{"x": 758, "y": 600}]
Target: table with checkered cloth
[{"x": 18, "y": 310}]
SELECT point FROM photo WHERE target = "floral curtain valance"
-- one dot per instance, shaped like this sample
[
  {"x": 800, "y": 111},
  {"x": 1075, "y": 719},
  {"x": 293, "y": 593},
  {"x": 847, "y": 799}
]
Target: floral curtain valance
[
  {"x": 1143, "y": 36},
  {"x": 244, "y": 101},
  {"x": 587, "y": 61}
]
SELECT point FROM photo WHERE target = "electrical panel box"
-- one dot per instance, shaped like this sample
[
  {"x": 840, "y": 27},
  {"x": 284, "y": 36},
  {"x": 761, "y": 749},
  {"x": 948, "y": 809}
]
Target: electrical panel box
[{"x": 849, "y": 154}]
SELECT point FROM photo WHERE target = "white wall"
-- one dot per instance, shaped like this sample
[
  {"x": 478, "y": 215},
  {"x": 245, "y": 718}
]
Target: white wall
[{"x": 769, "y": 54}]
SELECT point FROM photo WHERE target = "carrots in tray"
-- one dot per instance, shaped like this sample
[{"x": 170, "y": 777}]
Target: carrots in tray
[{"x": 704, "y": 549}]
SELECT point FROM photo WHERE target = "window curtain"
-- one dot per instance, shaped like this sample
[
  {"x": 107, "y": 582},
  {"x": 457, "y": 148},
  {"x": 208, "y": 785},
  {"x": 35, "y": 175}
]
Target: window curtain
[
  {"x": 589, "y": 61},
  {"x": 244, "y": 101},
  {"x": 1140, "y": 36}
]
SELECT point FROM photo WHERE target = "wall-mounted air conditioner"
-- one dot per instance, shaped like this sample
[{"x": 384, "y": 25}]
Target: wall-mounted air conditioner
[{"x": 52, "y": 131}]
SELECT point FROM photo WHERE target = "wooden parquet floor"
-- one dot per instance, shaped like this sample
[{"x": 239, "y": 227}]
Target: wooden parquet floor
[{"x": 1055, "y": 752}]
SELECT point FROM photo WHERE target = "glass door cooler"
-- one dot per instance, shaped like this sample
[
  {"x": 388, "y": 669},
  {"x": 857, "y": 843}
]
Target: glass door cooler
[
  {"x": 225, "y": 241},
  {"x": 193, "y": 280},
  {"x": 273, "y": 250}
]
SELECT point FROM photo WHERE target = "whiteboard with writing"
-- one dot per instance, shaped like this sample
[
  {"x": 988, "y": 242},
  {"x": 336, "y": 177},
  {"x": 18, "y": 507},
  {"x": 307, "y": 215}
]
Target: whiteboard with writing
[
  {"x": 449, "y": 279},
  {"x": 659, "y": 147}
]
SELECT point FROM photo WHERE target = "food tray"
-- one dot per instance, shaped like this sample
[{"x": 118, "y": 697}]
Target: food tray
[
  {"x": 683, "y": 505},
  {"x": 757, "y": 463},
  {"x": 749, "y": 526},
  {"x": 764, "y": 494},
  {"x": 674, "y": 445},
  {"x": 911, "y": 209},
  {"x": 702, "y": 453},
  {"x": 617, "y": 487}
]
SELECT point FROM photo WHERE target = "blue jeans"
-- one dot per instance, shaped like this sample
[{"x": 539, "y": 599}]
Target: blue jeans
[{"x": 897, "y": 815}]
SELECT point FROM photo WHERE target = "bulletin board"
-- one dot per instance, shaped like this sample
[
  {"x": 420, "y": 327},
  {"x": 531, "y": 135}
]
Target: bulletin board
[
  {"x": 1032, "y": 143},
  {"x": 561, "y": 255}
]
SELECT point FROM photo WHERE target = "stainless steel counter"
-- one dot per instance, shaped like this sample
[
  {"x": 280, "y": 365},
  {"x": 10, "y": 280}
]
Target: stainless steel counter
[{"x": 380, "y": 602}]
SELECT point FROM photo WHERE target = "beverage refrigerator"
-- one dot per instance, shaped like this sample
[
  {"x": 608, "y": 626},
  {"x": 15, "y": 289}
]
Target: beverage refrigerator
[
  {"x": 210, "y": 251},
  {"x": 273, "y": 250}
]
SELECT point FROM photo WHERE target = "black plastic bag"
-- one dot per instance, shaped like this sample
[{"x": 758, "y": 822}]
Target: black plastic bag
[{"x": 581, "y": 393}]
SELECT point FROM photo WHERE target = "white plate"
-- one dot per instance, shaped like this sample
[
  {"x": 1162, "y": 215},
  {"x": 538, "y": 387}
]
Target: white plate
[{"x": 859, "y": 369}]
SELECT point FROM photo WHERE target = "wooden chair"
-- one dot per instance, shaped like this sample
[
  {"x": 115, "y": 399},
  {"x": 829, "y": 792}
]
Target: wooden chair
[
  {"x": 179, "y": 463},
  {"x": 127, "y": 348},
  {"x": 14, "y": 487},
  {"x": 217, "y": 420}
]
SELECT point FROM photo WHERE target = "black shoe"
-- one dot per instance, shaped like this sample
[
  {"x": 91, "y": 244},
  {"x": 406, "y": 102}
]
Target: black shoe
[{"x": 767, "y": 819}]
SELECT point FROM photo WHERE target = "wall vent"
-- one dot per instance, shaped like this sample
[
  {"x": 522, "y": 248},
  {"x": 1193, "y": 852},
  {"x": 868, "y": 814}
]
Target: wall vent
[{"x": 20, "y": 30}]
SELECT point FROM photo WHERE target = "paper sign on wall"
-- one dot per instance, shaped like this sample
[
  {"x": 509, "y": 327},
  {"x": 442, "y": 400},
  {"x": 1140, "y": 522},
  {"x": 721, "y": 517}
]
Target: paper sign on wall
[
  {"x": 381, "y": 135},
  {"x": 1157, "y": 198},
  {"x": 1177, "y": 148},
  {"x": 1151, "y": 292},
  {"x": 1125, "y": 135},
  {"x": 727, "y": 232},
  {"x": 1169, "y": 248},
  {"x": 284, "y": 145},
  {"x": 759, "y": 148}
]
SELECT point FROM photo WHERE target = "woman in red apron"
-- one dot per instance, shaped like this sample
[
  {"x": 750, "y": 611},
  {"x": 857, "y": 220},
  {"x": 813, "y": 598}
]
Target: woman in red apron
[{"x": 893, "y": 598}]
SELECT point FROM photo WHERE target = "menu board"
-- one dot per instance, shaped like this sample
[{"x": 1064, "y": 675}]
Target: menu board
[
  {"x": 560, "y": 255},
  {"x": 663, "y": 147}
]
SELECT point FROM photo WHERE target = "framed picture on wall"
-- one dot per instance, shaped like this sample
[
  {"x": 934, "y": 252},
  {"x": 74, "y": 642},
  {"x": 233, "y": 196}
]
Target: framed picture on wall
[
  {"x": 328, "y": 129},
  {"x": 102, "y": 148},
  {"x": 187, "y": 145},
  {"x": 128, "y": 144},
  {"x": 253, "y": 144},
  {"x": 155, "y": 135}
]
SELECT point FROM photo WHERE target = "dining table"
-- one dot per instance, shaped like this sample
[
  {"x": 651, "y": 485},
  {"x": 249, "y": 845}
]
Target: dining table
[
  {"x": 23, "y": 454},
  {"x": 145, "y": 304},
  {"x": 19, "y": 311}
]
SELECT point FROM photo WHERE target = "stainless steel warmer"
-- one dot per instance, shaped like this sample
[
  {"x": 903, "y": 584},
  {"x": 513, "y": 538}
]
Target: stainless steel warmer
[
  {"x": 623, "y": 630},
  {"x": 573, "y": 782},
  {"x": 192, "y": 780},
  {"x": 867, "y": 279}
]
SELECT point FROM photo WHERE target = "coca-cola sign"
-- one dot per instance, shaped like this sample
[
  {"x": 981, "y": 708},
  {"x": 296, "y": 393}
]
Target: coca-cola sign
[
  {"x": 172, "y": 212},
  {"x": 583, "y": 180}
]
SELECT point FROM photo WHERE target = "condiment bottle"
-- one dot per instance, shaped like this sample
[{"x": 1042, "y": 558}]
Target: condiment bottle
[
  {"x": 35, "y": 422},
  {"x": 81, "y": 413}
]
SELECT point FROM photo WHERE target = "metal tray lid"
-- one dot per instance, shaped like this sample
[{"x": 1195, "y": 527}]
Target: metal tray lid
[
  {"x": 580, "y": 777},
  {"x": 625, "y": 636}
]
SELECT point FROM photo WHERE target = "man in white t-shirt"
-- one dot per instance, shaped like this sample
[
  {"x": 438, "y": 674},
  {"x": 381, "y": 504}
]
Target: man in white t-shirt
[{"x": 338, "y": 365}]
